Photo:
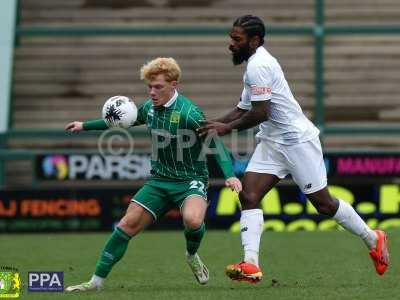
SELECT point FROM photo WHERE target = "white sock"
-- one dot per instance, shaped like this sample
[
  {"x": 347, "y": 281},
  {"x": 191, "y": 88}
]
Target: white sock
[
  {"x": 350, "y": 220},
  {"x": 96, "y": 280},
  {"x": 251, "y": 227}
]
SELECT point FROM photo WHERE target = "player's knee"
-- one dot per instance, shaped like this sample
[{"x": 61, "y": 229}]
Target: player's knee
[
  {"x": 193, "y": 221},
  {"x": 249, "y": 200},
  {"x": 129, "y": 224}
]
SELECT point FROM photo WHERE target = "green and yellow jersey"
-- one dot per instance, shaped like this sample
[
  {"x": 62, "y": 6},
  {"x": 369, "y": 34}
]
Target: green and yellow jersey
[{"x": 178, "y": 153}]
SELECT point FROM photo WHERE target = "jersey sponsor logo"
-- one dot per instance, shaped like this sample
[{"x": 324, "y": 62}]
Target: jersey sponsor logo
[
  {"x": 175, "y": 117},
  {"x": 259, "y": 90}
]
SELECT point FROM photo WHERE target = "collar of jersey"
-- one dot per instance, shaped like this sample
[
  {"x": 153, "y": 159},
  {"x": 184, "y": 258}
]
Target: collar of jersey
[
  {"x": 172, "y": 100},
  {"x": 261, "y": 48}
]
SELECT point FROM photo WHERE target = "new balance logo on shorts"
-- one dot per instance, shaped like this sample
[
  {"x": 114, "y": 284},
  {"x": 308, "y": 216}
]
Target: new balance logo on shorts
[
  {"x": 308, "y": 186},
  {"x": 243, "y": 229}
]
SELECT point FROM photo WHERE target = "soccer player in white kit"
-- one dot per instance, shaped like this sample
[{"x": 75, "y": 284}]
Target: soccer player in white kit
[{"x": 288, "y": 144}]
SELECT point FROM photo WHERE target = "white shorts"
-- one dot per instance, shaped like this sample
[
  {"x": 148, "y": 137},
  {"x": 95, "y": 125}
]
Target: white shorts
[{"x": 304, "y": 161}]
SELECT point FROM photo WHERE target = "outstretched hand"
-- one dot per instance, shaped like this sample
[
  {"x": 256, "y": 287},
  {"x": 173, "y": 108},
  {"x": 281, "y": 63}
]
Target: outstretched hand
[
  {"x": 74, "y": 126},
  {"x": 214, "y": 127},
  {"x": 234, "y": 183}
]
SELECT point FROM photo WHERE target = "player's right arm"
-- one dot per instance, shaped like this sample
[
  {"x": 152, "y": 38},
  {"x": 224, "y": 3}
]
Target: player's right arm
[
  {"x": 100, "y": 124},
  {"x": 254, "y": 105},
  {"x": 233, "y": 115},
  {"x": 77, "y": 126},
  {"x": 74, "y": 126}
]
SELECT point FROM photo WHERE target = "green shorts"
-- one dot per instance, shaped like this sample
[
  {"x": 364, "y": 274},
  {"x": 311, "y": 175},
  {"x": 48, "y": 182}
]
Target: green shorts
[{"x": 159, "y": 196}]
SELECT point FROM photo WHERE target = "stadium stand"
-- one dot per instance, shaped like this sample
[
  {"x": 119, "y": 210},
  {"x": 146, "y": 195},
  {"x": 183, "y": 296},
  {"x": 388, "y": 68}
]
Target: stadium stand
[
  {"x": 163, "y": 12},
  {"x": 361, "y": 12}
]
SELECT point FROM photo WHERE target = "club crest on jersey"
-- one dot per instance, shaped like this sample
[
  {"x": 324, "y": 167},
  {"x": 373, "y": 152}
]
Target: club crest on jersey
[{"x": 175, "y": 117}]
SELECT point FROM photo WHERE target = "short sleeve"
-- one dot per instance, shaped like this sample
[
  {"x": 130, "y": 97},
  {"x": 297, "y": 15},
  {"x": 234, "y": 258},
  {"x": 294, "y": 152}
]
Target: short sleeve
[
  {"x": 244, "y": 102},
  {"x": 259, "y": 79}
]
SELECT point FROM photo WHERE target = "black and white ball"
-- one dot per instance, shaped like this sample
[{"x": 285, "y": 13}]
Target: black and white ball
[{"x": 119, "y": 111}]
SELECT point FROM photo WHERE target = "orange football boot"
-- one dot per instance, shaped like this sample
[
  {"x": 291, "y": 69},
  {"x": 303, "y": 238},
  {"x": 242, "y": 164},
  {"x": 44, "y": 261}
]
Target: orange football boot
[
  {"x": 380, "y": 255},
  {"x": 244, "y": 271}
]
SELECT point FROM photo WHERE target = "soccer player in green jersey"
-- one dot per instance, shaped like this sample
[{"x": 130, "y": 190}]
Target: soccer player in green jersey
[{"x": 179, "y": 171}]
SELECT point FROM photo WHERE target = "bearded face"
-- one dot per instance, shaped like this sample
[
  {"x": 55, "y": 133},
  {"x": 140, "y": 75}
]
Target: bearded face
[
  {"x": 239, "y": 45},
  {"x": 240, "y": 54}
]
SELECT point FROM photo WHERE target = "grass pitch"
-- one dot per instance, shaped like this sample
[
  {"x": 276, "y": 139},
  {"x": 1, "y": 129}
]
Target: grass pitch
[{"x": 302, "y": 265}]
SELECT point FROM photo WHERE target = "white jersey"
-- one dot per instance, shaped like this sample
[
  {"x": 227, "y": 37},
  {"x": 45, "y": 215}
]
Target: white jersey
[{"x": 264, "y": 80}]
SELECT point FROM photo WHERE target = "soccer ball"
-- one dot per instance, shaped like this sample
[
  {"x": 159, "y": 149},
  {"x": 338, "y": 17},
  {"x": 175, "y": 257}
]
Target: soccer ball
[{"x": 119, "y": 111}]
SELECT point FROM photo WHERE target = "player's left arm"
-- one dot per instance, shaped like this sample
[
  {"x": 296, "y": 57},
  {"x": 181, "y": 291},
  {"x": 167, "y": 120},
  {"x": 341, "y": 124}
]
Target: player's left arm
[
  {"x": 224, "y": 160},
  {"x": 220, "y": 152}
]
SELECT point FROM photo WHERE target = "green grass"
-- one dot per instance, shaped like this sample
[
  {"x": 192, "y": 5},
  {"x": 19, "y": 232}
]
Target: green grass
[{"x": 303, "y": 265}]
